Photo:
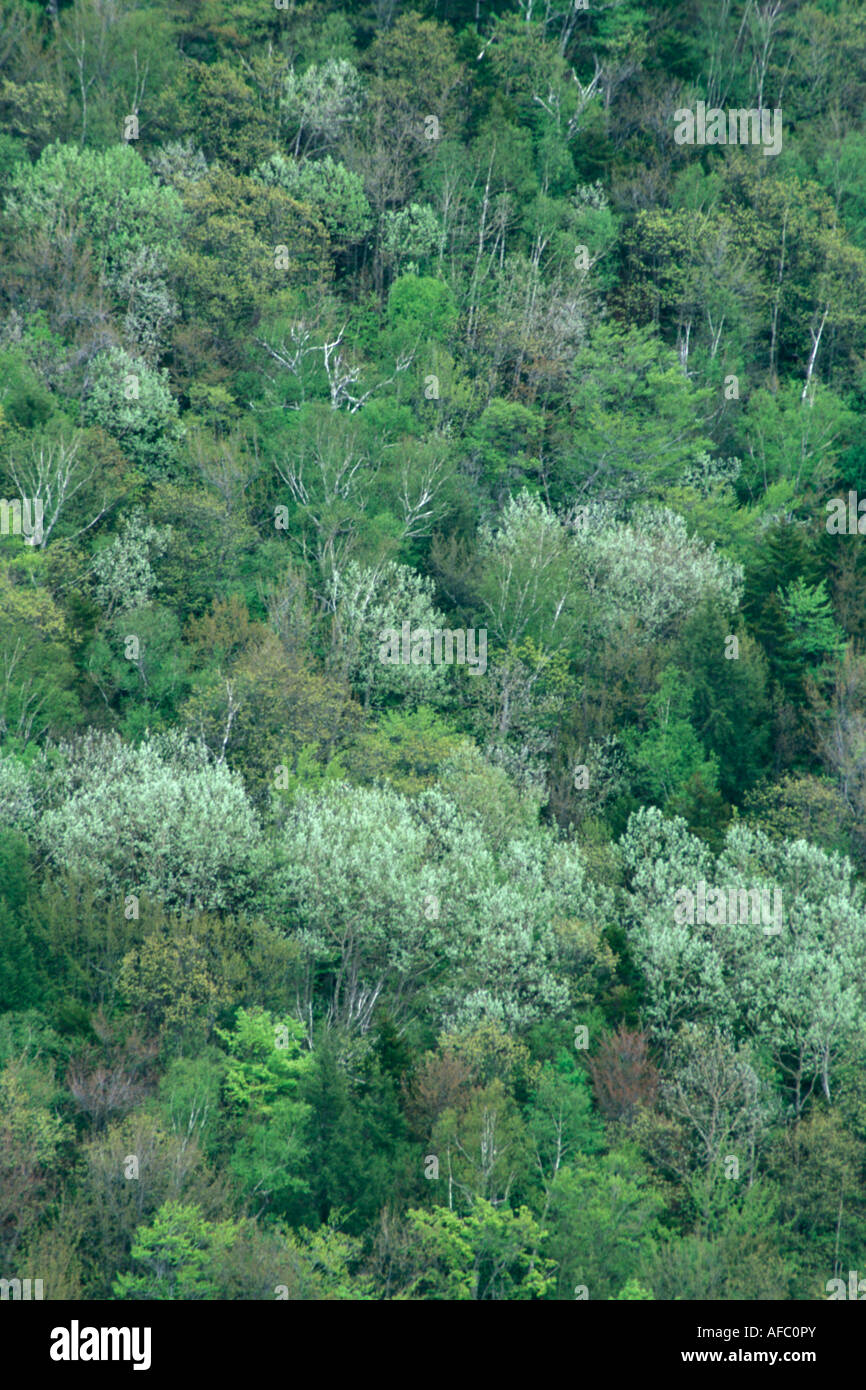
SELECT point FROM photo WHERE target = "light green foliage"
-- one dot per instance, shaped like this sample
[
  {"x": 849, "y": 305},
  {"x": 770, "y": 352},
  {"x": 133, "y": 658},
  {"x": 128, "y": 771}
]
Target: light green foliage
[
  {"x": 840, "y": 168},
  {"x": 162, "y": 818},
  {"x": 530, "y": 568},
  {"x": 261, "y": 1084},
  {"x": 189, "y": 1093},
  {"x": 679, "y": 965},
  {"x": 177, "y": 163},
  {"x": 37, "y": 694},
  {"x": 798, "y": 990},
  {"x": 109, "y": 200},
  {"x": 132, "y": 402},
  {"x": 150, "y": 308},
  {"x": 266, "y": 1061},
  {"x": 228, "y": 266},
  {"x": 110, "y": 196},
  {"x": 484, "y": 794},
  {"x": 562, "y": 1123},
  {"x": 365, "y": 602},
  {"x": 233, "y": 130},
  {"x": 509, "y": 438},
  {"x": 741, "y": 1259},
  {"x": 668, "y": 754},
  {"x": 633, "y": 1291},
  {"x": 111, "y": 62},
  {"x": 263, "y": 709},
  {"x": 723, "y": 1101},
  {"x": 506, "y": 916},
  {"x": 491, "y": 1253},
  {"x": 176, "y": 1255},
  {"x": 406, "y": 748},
  {"x": 190, "y": 968},
  {"x": 687, "y": 267},
  {"x": 387, "y": 894},
  {"x": 796, "y": 804},
  {"x": 816, "y": 634},
  {"x": 420, "y": 307},
  {"x": 148, "y": 687},
  {"x": 123, "y": 572},
  {"x": 31, "y": 1133},
  {"x": 634, "y": 416},
  {"x": 333, "y": 191},
  {"x": 411, "y": 237},
  {"x": 318, "y": 322},
  {"x": 554, "y": 578},
  {"x": 26, "y": 401},
  {"x": 325, "y": 1264},
  {"x": 316, "y": 106},
  {"x": 32, "y": 113},
  {"x": 355, "y": 881},
  {"x": 651, "y": 569},
  {"x": 484, "y": 1148},
  {"x": 19, "y": 984},
  {"x": 788, "y": 441}
]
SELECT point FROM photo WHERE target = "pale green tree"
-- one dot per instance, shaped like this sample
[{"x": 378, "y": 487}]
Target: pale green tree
[
  {"x": 318, "y": 105},
  {"x": 132, "y": 402},
  {"x": 510, "y": 915},
  {"x": 651, "y": 569},
  {"x": 122, "y": 569},
  {"x": 107, "y": 207},
  {"x": 356, "y": 882},
  {"x": 788, "y": 971},
  {"x": 334, "y": 193},
  {"x": 369, "y": 604},
  {"x": 162, "y": 817},
  {"x": 530, "y": 563}
]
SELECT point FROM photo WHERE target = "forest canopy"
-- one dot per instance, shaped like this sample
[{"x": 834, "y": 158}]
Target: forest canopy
[{"x": 432, "y": 649}]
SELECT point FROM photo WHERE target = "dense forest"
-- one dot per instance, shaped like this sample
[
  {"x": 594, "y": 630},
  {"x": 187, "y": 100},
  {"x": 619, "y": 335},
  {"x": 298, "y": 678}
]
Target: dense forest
[{"x": 432, "y": 649}]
